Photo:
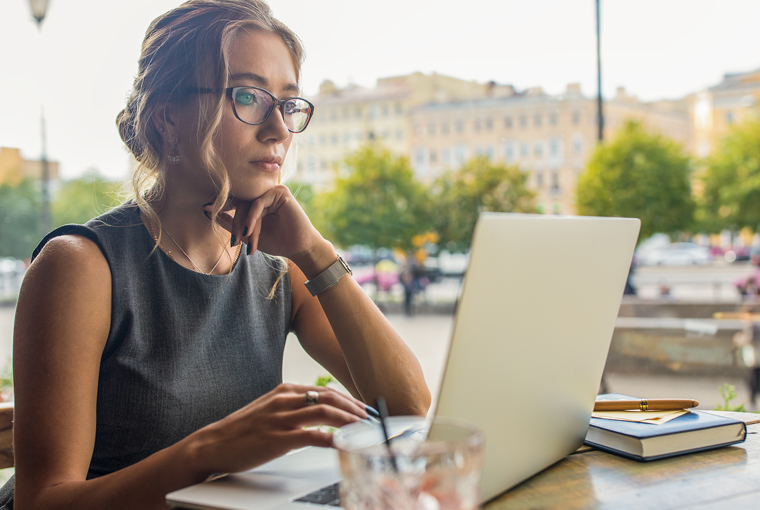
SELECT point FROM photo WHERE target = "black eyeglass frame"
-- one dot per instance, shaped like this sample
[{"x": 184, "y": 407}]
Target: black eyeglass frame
[{"x": 276, "y": 102}]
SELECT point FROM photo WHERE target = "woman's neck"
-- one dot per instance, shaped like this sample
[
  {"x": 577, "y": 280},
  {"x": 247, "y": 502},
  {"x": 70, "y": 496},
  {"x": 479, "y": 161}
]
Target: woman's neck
[{"x": 188, "y": 233}]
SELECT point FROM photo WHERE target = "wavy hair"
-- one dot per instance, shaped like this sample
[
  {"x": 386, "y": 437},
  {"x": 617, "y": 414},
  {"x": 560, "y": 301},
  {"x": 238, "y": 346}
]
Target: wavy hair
[{"x": 186, "y": 48}]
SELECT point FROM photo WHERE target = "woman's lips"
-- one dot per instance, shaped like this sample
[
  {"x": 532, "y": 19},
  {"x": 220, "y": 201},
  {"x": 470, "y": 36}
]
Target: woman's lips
[{"x": 267, "y": 166}]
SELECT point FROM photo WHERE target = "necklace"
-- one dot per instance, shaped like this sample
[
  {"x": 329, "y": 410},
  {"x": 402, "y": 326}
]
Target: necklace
[{"x": 169, "y": 253}]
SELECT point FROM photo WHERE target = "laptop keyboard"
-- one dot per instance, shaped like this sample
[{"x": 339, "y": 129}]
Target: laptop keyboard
[{"x": 324, "y": 496}]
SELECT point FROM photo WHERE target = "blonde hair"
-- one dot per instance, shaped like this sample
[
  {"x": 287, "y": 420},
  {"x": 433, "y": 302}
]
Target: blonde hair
[{"x": 184, "y": 50}]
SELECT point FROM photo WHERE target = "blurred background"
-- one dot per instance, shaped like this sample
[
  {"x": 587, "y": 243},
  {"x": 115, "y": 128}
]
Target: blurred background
[{"x": 428, "y": 113}]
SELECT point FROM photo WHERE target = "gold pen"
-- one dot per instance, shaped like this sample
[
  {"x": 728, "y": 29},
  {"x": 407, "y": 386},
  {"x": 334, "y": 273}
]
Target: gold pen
[{"x": 651, "y": 404}]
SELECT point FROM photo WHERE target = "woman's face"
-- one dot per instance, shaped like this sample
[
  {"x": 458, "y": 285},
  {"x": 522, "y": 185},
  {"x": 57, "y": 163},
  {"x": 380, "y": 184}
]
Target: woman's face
[{"x": 253, "y": 155}]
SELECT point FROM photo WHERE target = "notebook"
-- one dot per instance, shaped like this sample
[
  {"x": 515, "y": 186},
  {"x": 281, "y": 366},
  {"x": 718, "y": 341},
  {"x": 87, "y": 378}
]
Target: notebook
[
  {"x": 694, "y": 431},
  {"x": 530, "y": 340}
]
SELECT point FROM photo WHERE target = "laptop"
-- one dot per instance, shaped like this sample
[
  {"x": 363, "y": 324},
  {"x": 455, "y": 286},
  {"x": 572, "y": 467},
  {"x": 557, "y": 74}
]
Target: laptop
[{"x": 533, "y": 327}]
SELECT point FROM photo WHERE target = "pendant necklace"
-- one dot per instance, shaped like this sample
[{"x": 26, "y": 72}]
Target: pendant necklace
[{"x": 237, "y": 254}]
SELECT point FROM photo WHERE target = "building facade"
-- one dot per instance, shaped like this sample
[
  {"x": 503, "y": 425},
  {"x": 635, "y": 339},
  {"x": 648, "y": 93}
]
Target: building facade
[
  {"x": 440, "y": 122},
  {"x": 14, "y": 168}
]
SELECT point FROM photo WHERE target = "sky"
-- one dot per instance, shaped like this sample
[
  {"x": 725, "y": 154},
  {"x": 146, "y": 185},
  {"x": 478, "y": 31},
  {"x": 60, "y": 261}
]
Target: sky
[{"x": 79, "y": 68}]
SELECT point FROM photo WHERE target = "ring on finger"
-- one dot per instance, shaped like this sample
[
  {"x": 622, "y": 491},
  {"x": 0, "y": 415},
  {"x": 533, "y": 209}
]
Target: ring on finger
[{"x": 311, "y": 398}]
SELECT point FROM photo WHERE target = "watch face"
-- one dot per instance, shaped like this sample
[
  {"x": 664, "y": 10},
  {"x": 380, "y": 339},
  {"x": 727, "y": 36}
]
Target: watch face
[{"x": 345, "y": 265}]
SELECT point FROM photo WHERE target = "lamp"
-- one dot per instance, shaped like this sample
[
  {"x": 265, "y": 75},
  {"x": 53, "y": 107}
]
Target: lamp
[{"x": 39, "y": 8}]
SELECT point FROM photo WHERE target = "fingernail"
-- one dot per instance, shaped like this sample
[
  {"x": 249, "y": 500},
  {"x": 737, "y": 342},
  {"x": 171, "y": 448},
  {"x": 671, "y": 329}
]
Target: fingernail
[
  {"x": 372, "y": 411},
  {"x": 208, "y": 215},
  {"x": 232, "y": 241},
  {"x": 245, "y": 231},
  {"x": 249, "y": 250}
]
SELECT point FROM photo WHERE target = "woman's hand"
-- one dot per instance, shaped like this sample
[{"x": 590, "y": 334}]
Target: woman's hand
[
  {"x": 271, "y": 426},
  {"x": 274, "y": 223}
]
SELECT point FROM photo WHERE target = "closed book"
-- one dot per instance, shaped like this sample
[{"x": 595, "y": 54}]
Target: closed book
[{"x": 693, "y": 432}]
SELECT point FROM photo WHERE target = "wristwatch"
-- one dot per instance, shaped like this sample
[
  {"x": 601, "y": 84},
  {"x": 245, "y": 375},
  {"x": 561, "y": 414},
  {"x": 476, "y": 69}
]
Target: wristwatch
[{"x": 328, "y": 277}]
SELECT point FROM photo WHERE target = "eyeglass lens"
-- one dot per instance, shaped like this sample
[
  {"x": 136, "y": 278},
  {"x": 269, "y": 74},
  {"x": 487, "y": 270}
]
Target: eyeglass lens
[{"x": 254, "y": 106}]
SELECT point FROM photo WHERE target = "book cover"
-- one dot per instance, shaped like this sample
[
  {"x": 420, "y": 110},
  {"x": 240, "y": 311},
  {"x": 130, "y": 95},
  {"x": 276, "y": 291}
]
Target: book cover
[{"x": 692, "y": 432}]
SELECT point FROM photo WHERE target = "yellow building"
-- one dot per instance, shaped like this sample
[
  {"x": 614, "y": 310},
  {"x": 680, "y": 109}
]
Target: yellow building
[
  {"x": 548, "y": 136},
  {"x": 14, "y": 168},
  {"x": 345, "y": 119},
  {"x": 714, "y": 110},
  {"x": 440, "y": 122}
]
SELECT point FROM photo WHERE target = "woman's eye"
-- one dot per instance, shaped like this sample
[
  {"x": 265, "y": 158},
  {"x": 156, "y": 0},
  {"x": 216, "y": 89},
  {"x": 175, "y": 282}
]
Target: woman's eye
[
  {"x": 290, "y": 107},
  {"x": 245, "y": 98}
]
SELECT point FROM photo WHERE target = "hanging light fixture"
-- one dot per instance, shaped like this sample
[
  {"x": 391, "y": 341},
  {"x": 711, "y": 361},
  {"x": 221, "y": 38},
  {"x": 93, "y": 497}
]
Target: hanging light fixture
[{"x": 39, "y": 8}]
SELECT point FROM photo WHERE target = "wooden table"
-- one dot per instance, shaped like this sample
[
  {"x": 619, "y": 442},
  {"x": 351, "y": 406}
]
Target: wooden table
[{"x": 726, "y": 478}]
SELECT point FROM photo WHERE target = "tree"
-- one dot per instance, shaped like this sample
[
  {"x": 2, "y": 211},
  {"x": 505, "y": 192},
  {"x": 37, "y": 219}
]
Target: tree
[
  {"x": 641, "y": 175},
  {"x": 377, "y": 203},
  {"x": 731, "y": 182},
  {"x": 479, "y": 185},
  {"x": 19, "y": 219},
  {"x": 80, "y": 200}
]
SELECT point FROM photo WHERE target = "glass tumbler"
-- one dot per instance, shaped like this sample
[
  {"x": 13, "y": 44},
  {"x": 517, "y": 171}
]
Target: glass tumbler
[{"x": 430, "y": 465}]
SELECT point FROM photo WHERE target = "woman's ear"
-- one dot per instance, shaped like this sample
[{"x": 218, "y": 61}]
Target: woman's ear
[{"x": 164, "y": 117}]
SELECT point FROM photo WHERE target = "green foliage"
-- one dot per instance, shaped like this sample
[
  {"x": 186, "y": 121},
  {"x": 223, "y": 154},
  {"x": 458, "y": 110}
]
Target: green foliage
[
  {"x": 641, "y": 175},
  {"x": 80, "y": 200},
  {"x": 19, "y": 219},
  {"x": 728, "y": 393},
  {"x": 479, "y": 185},
  {"x": 324, "y": 380},
  {"x": 731, "y": 194},
  {"x": 304, "y": 194},
  {"x": 377, "y": 203}
]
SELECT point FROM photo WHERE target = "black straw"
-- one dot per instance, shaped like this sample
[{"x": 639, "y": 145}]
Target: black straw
[{"x": 383, "y": 410}]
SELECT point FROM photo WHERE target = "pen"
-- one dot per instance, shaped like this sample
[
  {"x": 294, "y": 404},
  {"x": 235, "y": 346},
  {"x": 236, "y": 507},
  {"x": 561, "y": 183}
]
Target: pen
[{"x": 652, "y": 404}]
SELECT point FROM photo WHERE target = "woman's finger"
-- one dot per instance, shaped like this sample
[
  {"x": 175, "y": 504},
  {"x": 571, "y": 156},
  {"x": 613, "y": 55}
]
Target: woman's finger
[
  {"x": 338, "y": 398},
  {"x": 295, "y": 401},
  {"x": 320, "y": 414}
]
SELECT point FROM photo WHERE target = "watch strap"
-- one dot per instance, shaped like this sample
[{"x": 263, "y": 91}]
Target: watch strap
[{"x": 328, "y": 277}]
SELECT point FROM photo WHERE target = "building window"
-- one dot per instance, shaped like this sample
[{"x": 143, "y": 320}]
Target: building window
[
  {"x": 399, "y": 109},
  {"x": 537, "y": 120},
  {"x": 322, "y": 139},
  {"x": 385, "y": 110},
  {"x": 476, "y": 125},
  {"x": 539, "y": 179},
  {"x": 399, "y": 134},
  {"x": 508, "y": 122},
  {"x": 553, "y": 118},
  {"x": 335, "y": 139},
  {"x": 509, "y": 151},
  {"x": 489, "y": 124},
  {"x": 490, "y": 153},
  {"x": 420, "y": 156},
  {"x": 445, "y": 129},
  {"x": 358, "y": 112},
  {"x": 333, "y": 114},
  {"x": 419, "y": 130},
  {"x": 433, "y": 156},
  {"x": 555, "y": 180},
  {"x": 431, "y": 129},
  {"x": 460, "y": 126},
  {"x": 577, "y": 145},
  {"x": 576, "y": 118},
  {"x": 523, "y": 121},
  {"x": 523, "y": 150},
  {"x": 554, "y": 148},
  {"x": 345, "y": 112},
  {"x": 372, "y": 111},
  {"x": 446, "y": 156},
  {"x": 730, "y": 117},
  {"x": 346, "y": 137},
  {"x": 538, "y": 149},
  {"x": 460, "y": 154}
]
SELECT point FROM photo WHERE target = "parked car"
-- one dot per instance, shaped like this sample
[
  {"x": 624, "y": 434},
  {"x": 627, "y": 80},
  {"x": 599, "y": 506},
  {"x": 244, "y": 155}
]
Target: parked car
[{"x": 677, "y": 254}]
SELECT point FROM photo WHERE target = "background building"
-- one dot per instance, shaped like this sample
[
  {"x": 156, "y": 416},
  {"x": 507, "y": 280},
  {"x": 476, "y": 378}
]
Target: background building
[
  {"x": 14, "y": 168},
  {"x": 440, "y": 122},
  {"x": 714, "y": 110}
]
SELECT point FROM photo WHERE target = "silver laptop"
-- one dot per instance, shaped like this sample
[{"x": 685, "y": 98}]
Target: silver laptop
[{"x": 532, "y": 331}]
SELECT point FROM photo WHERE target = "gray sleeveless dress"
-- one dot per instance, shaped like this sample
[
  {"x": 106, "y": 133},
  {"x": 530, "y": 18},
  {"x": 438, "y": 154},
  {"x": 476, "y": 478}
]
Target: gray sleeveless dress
[{"x": 184, "y": 349}]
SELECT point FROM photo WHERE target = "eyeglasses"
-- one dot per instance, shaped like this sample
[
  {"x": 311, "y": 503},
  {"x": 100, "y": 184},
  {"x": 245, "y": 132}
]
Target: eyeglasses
[{"x": 253, "y": 105}]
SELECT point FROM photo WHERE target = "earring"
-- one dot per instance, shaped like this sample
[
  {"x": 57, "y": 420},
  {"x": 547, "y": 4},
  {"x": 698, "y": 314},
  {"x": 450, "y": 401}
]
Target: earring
[{"x": 173, "y": 156}]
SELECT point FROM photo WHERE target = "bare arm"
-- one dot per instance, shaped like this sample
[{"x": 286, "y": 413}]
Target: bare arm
[
  {"x": 344, "y": 320},
  {"x": 341, "y": 328},
  {"x": 62, "y": 323}
]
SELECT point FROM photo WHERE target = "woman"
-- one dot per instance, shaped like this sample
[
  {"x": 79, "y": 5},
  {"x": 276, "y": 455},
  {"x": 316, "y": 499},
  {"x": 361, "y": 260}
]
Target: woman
[{"x": 147, "y": 362}]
